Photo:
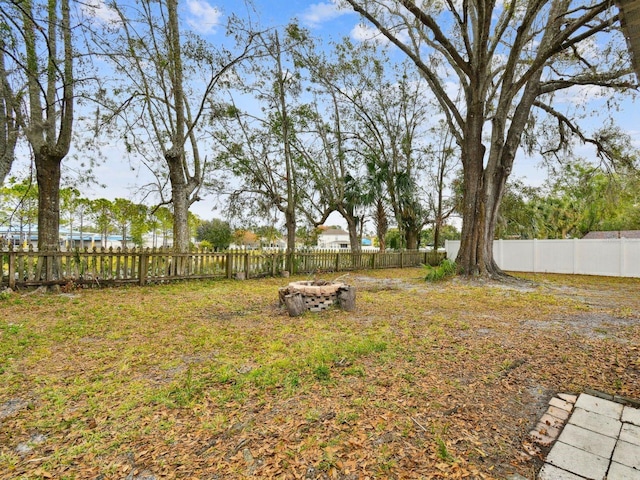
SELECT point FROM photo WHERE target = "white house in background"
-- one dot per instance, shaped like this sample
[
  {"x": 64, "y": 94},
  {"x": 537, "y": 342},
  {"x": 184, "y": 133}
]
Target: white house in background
[{"x": 334, "y": 238}]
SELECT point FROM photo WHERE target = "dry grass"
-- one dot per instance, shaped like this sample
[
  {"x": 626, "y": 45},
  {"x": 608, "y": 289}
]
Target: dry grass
[{"x": 212, "y": 380}]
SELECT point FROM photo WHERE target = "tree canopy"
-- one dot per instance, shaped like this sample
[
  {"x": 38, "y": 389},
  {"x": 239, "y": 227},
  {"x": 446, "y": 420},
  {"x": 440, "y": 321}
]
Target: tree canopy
[
  {"x": 496, "y": 70},
  {"x": 289, "y": 128}
]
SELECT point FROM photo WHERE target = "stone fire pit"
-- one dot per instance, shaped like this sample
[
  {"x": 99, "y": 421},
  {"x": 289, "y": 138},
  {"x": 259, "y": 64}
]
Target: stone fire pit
[{"x": 316, "y": 296}]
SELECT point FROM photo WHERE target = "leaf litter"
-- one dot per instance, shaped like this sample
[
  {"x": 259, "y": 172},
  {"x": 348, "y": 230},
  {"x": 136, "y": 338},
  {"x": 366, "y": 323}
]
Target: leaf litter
[{"x": 212, "y": 380}]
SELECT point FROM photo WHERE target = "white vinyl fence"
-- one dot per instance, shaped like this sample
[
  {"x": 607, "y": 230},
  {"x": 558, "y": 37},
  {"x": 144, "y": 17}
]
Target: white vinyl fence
[{"x": 618, "y": 257}]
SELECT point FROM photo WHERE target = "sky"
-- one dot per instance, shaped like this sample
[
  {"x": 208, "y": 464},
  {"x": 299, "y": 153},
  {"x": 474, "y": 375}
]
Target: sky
[{"x": 325, "y": 20}]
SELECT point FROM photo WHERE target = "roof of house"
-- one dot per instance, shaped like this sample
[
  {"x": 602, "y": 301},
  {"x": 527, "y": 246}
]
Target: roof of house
[
  {"x": 334, "y": 231},
  {"x": 630, "y": 14},
  {"x": 612, "y": 234}
]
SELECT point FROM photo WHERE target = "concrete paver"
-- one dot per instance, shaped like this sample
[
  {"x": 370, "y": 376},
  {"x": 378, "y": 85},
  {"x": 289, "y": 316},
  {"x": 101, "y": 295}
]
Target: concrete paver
[
  {"x": 600, "y": 406},
  {"x": 601, "y": 440},
  {"x": 549, "y": 472},
  {"x": 596, "y": 422},
  {"x": 574, "y": 460},
  {"x": 568, "y": 397},
  {"x": 631, "y": 415},
  {"x": 562, "y": 404},
  {"x": 622, "y": 472},
  {"x": 587, "y": 440},
  {"x": 560, "y": 413},
  {"x": 630, "y": 433},
  {"x": 627, "y": 454}
]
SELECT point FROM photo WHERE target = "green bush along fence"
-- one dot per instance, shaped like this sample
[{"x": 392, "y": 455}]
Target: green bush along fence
[{"x": 28, "y": 268}]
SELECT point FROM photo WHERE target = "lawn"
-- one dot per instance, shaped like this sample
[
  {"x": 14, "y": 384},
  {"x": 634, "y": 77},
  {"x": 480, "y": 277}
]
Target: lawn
[{"x": 213, "y": 380}]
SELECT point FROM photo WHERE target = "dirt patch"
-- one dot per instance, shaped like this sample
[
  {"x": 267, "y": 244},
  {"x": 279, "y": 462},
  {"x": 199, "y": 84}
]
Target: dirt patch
[
  {"x": 593, "y": 325},
  {"x": 12, "y": 407}
]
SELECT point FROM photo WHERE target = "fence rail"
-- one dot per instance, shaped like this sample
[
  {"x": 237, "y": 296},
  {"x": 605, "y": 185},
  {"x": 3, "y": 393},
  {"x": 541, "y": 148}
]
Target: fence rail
[{"x": 28, "y": 268}]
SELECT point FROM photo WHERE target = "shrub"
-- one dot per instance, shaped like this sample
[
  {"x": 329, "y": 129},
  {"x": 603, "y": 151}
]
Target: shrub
[{"x": 446, "y": 269}]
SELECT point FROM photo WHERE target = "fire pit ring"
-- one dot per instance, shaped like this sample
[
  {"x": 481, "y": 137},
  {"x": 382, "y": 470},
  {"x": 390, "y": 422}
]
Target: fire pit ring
[{"x": 316, "y": 296}]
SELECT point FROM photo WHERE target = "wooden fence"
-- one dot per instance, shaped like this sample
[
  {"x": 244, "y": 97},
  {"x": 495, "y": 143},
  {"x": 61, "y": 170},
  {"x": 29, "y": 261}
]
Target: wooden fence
[{"x": 28, "y": 268}]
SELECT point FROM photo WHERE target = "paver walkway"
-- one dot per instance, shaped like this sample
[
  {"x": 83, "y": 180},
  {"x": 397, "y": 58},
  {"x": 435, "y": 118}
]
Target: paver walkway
[{"x": 601, "y": 439}]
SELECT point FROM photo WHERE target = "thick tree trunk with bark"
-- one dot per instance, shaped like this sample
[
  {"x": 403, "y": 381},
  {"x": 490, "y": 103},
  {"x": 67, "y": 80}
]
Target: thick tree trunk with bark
[
  {"x": 476, "y": 247},
  {"x": 382, "y": 225},
  {"x": 48, "y": 177},
  {"x": 411, "y": 239},
  {"x": 180, "y": 201}
]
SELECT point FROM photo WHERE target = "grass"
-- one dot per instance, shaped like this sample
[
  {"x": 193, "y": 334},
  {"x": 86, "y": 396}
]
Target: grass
[{"x": 205, "y": 379}]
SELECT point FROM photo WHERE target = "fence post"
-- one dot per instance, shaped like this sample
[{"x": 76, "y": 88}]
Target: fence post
[
  {"x": 12, "y": 268},
  {"x": 338, "y": 261},
  {"x": 143, "y": 268},
  {"x": 246, "y": 266},
  {"x": 229, "y": 264},
  {"x": 401, "y": 260}
]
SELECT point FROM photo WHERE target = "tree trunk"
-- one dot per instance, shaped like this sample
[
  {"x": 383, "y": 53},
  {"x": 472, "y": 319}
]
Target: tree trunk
[
  {"x": 411, "y": 239},
  {"x": 290, "y": 223},
  {"x": 381, "y": 225},
  {"x": 354, "y": 237},
  {"x": 436, "y": 234},
  {"x": 181, "y": 238},
  {"x": 481, "y": 200},
  {"x": 9, "y": 120},
  {"x": 476, "y": 246},
  {"x": 48, "y": 177}
]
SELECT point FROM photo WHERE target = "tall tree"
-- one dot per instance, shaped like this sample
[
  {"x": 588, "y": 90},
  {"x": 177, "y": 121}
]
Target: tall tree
[
  {"x": 333, "y": 168},
  {"x": 509, "y": 60},
  {"x": 41, "y": 47},
  {"x": 443, "y": 163},
  {"x": 167, "y": 78},
  {"x": 260, "y": 146},
  {"x": 130, "y": 219},
  {"x": 389, "y": 116},
  {"x": 374, "y": 195}
]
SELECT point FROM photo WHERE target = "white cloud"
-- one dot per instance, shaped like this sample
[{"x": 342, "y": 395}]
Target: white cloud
[
  {"x": 319, "y": 13},
  {"x": 203, "y": 18},
  {"x": 365, "y": 33},
  {"x": 98, "y": 10}
]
